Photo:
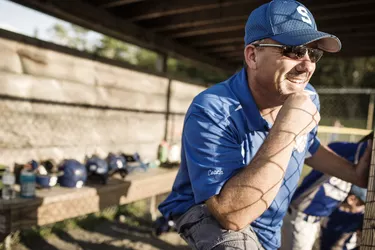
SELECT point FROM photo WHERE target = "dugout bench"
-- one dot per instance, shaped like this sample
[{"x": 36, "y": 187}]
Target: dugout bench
[{"x": 59, "y": 203}]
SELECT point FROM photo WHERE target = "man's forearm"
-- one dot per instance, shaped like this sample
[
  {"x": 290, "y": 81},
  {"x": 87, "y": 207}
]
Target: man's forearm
[{"x": 250, "y": 192}]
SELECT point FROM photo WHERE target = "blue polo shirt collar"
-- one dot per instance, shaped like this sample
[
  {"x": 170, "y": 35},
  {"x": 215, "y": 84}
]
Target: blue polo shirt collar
[{"x": 241, "y": 89}]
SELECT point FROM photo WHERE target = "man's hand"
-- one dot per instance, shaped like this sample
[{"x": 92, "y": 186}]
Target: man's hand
[
  {"x": 298, "y": 115},
  {"x": 363, "y": 166}
]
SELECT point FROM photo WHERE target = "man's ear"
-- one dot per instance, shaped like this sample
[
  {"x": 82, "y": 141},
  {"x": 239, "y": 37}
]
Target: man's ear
[{"x": 250, "y": 56}]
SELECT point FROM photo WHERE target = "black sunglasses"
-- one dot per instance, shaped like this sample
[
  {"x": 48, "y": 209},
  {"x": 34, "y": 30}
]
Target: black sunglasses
[{"x": 296, "y": 52}]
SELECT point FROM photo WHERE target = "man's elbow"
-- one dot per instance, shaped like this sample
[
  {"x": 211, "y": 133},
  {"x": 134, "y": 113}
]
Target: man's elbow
[
  {"x": 229, "y": 219},
  {"x": 235, "y": 221},
  {"x": 232, "y": 221},
  {"x": 233, "y": 225}
]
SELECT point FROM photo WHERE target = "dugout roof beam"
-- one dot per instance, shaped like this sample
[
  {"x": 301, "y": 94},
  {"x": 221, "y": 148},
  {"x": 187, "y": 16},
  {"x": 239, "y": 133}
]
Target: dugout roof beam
[{"x": 209, "y": 32}]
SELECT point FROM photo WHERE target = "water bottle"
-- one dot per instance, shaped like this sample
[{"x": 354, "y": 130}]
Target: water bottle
[
  {"x": 163, "y": 152},
  {"x": 8, "y": 191},
  {"x": 27, "y": 182},
  {"x": 174, "y": 154}
]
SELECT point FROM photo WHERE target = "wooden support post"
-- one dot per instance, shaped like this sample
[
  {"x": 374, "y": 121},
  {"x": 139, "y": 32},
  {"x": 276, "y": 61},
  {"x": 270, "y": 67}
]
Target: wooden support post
[
  {"x": 368, "y": 229},
  {"x": 168, "y": 111},
  {"x": 370, "y": 114},
  {"x": 5, "y": 224},
  {"x": 161, "y": 63},
  {"x": 153, "y": 208},
  {"x": 162, "y": 67}
]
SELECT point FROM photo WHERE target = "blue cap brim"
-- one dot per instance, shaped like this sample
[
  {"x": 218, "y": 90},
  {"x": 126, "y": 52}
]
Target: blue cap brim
[
  {"x": 359, "y": 192},
  {"x": 326, "y": 42}
]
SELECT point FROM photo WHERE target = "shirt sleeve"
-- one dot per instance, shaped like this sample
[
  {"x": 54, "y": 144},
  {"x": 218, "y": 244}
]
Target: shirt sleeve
[
  {"x": 314, "y": 143},
  {"x": 313, "y": 140},
  {"x": 213, "y": 154}
]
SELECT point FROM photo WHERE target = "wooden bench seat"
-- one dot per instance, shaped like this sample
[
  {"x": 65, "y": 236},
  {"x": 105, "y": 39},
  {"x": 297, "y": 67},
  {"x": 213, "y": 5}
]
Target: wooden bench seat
[{"x": 59, "y": 203}]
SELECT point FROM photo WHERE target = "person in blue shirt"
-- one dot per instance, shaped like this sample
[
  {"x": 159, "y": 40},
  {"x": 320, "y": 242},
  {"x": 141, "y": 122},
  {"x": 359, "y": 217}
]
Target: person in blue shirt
[
  {"x": 316, "y": 198},
  {"x": 342, "y": 229},
  {"x": 245, "y": 140}
]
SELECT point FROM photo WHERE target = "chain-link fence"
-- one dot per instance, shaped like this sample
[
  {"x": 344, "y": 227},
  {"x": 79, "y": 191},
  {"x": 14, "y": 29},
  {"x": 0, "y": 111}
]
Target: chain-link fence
[
  {"x": 33, "y": 130},
  {"x": 346, "y": 114},
  {"x": 352, "y": 108},
  {"x": 39, "y": 130}
]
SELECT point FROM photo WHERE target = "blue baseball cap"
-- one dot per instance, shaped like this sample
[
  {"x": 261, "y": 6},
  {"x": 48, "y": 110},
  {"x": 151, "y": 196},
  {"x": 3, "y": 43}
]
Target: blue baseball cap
[
  {"x": 287, "y": 22},
  {"x": 360, "y": 193}
]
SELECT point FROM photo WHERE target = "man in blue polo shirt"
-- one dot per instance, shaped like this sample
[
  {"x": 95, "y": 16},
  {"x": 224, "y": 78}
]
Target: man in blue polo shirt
[{"x": 245, "y": 140}]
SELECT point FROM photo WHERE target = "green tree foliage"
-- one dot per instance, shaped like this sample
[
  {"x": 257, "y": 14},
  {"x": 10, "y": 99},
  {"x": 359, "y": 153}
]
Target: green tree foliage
[
  {"x": 74, "y": 37},
  {"x": 188, "y": 70},
  {"x": 368, "y": 80},
  {"x": 77, "y": 37},
  {"x": 336, "y": 72},
  {"x": 112, "y": 48},
  {"x": 331, "y": 71},
  {"x": 146, "y": 59},
  {"x": 343, "y": 72}
]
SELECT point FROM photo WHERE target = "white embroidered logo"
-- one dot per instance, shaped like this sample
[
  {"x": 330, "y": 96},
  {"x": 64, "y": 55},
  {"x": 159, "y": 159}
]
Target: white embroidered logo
[
  {"x": 301, "y": 142},
  {"x": 305, "y": 14},
  {"x": 215, "y": 172}
]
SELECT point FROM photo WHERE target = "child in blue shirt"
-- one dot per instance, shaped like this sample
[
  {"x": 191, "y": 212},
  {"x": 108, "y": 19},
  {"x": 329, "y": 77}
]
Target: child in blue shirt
[{"x": 341, "y": 230}]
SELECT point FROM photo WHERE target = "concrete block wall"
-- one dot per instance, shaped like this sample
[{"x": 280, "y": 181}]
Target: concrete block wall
[
  {"x": 181, "y": 96},
  {"x": 38, "y": 129}
]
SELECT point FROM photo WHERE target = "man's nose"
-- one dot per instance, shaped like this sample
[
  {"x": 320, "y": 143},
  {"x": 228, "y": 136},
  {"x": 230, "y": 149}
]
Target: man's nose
[{"x": 305, "y": 64}]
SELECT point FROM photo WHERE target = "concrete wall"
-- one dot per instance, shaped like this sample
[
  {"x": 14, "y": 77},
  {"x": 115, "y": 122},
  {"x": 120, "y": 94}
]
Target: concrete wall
[
  {"x": 32, "y": 127},
  {"x": 181, "y": 96}
]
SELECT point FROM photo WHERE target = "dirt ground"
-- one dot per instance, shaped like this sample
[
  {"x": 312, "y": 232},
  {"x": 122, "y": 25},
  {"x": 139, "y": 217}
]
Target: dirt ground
[{"x": 108, "y": 235}]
